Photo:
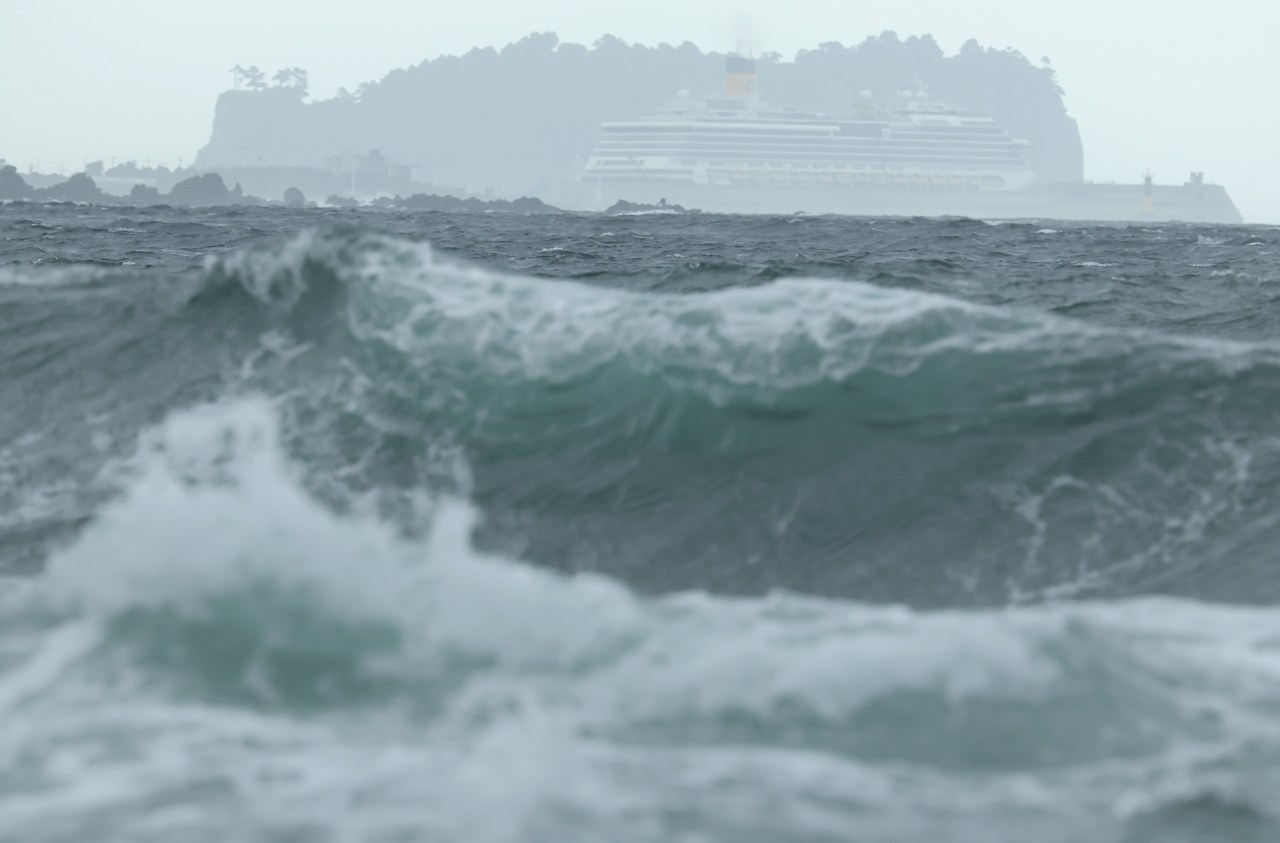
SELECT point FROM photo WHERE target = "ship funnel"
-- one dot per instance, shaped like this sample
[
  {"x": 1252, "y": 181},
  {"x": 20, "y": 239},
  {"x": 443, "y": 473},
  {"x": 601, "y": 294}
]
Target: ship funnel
[{"x": 740, "y": 76}]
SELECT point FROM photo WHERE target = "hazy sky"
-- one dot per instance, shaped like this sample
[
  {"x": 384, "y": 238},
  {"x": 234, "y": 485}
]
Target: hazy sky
[{"x": 1170, "y": 86}]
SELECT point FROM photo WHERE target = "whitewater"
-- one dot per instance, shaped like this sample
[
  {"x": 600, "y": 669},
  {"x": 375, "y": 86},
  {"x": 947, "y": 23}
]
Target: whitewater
[{"x": 323, "y": 525}]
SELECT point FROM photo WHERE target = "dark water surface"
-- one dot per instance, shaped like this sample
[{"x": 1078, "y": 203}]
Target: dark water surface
[{"x": 361, "y": 525}]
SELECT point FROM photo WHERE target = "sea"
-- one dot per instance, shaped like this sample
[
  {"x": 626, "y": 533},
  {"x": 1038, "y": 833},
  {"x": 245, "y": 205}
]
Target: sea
[{"x": 379, "y": 526}]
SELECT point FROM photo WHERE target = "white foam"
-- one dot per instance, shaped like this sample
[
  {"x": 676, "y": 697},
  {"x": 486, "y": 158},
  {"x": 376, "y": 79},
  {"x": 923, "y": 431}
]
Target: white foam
[
  {"x": 523, "y": 749},
  {"x": 62, "y": 276},
  {"x": 61, "y": 648},
  {"x": 215, "y": 509},
  {"x": 769, "y": 339},
  {"x": 215, "y": 506}
]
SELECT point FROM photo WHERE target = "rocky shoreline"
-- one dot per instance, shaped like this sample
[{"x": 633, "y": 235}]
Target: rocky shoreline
[{"x": 208, "y": 189}]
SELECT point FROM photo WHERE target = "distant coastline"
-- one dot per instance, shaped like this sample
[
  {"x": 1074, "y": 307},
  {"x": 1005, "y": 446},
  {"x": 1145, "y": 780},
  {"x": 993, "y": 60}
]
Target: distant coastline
[
  {"x": 519, "y": 119},
  {"x": 209, "y": 189}
]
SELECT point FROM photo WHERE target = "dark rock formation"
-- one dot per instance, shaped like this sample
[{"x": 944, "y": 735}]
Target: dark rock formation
[
  {"x": 78, "y": 188},
  {"x": 423, "y": 202},
  {"x": 342, "y": 201},
  {"x": 12, "y": 185},
  {"x": 313, "y": 181},
  {"x": 141, "y": 194},
  {"x": 294, "y": 198},
  {"x": 622, "y": 206},
  {"x": 526, "y": 205},
  {"x": 206, "y": 189}
]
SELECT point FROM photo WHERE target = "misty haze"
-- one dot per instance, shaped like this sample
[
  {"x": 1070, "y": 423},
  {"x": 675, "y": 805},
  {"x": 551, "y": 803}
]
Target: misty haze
[{"x": 650, "y": 436}]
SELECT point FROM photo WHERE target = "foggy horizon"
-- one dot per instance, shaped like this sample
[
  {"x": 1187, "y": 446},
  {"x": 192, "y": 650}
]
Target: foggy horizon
[{"x": 1140, "y": 104}]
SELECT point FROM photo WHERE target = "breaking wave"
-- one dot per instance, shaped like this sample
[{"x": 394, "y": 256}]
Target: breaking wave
[
  {"x": 221, "y": 656},
  {"x": 829, "y": 437},
  {"x": 334, "y": 539}
]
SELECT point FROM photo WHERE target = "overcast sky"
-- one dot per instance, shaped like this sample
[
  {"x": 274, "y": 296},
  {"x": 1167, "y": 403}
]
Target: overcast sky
[{"x": 1170, "y": 86}]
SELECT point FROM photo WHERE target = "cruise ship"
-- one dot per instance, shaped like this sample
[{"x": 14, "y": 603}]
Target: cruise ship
[
  {"x": 739, "y": 141},
  {"x": 911, "y": 156}
]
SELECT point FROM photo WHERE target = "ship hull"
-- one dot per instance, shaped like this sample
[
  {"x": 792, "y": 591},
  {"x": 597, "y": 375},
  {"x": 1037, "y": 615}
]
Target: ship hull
[{"x": 1205, "y": 203}]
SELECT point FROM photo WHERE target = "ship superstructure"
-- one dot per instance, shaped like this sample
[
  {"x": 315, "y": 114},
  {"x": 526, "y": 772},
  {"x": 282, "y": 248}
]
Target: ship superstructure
[
  {"x": 906, "y": 155},
  {"x": 737, "y": 140}
]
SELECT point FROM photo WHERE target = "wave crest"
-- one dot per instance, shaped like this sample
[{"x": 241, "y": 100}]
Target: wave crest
[
  {"x": 831, "y": 437},
  {"x": 217, "y": 616}
]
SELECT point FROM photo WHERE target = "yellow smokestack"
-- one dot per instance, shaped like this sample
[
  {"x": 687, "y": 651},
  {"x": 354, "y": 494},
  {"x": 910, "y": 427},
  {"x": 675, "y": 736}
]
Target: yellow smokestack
[{"x": 740, "y": 76}]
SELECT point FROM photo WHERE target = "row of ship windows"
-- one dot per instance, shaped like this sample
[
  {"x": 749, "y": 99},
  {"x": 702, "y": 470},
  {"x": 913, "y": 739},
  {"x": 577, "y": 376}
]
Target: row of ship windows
[
  {"x": 861, "y": 130},
  {"x": 739, "y": 140},
  {"x": 758, "y": 165},
  {"x": 780, "y": 159},
  {"x": 800, "y": 143},
  {"x": 800, "y": 160},
  {"x": 820, "y": 128},
  {"x": 889, "y": 167},
  {"x": 641, "y": 137},
  {"x": 705, "y": 137},
  {"x": 675, "y": 149},
  {"x": 740, "y": 151},
  {"x": 971, "y": 161}
]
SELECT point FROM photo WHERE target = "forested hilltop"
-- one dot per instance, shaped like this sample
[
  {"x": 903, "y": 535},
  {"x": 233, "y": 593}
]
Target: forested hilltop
[{"x": 515, "y": 118}]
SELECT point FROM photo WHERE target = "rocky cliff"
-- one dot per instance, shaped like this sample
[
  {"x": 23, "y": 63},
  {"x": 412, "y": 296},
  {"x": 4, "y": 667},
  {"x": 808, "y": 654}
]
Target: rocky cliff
[{"x": 513, "y": 119}]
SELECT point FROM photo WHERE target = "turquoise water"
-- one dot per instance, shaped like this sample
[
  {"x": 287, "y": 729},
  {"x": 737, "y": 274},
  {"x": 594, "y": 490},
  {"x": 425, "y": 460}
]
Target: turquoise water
[{"x": 316, "y": 533}]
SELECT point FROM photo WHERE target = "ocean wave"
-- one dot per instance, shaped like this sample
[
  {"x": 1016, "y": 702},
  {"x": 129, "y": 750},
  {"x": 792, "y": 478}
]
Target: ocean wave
[
  {"x": 765, "y": 346},
  {"x": 811, "y": 426},
  {"x": 830, "y": 437},
  {"x": 220, "y": 653}
]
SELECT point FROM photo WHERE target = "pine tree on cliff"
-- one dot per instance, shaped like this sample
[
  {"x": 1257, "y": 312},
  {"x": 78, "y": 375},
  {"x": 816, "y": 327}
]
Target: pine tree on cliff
[
  {"x": 292, "y": 77},
  {"x": 255, "y": 79}
]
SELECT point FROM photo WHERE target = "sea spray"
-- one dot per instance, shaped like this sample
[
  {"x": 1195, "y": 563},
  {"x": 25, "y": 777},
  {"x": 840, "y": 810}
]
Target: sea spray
[
  {"x": 759, "y": 529},
  {"x": 235, "y": 659},
  {"x": 826, "y": 436}
]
